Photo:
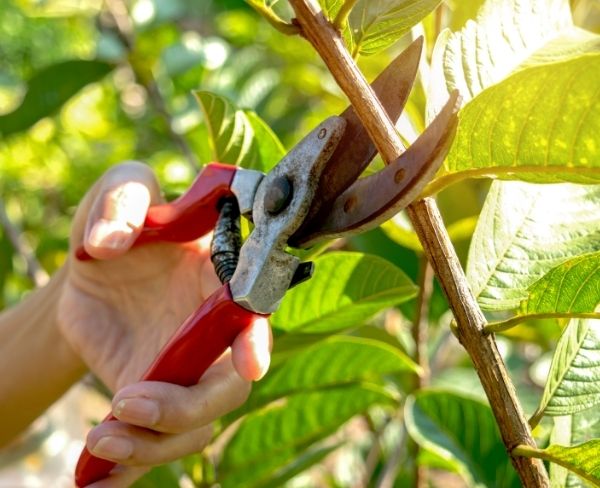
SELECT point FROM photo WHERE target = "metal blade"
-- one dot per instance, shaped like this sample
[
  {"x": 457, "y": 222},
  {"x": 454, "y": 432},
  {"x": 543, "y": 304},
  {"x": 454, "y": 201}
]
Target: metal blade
[
  {"x": 376, "y": 198},
  {"x": 355, "y": 151}
]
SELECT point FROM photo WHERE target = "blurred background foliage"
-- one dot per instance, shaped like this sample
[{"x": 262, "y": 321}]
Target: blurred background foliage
[{"x": 113, "y": 81}]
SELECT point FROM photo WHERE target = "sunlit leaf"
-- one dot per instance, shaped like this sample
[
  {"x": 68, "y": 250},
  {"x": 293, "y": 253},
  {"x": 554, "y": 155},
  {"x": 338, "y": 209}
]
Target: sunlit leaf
[
  {"x": 535, "y": 124},
  {"x": 278, "y": 468},
  {"x": 582, "y": 459},
  {"x": 523, "y": 232},
  {"x": 504, "y": 35},
  {"x": 49, "y": 89},
  {"x": 374, "y": 25},
  {"x": 301, "y": 418},
  {"x": 462, "y": 431},
  {"x": 237, "y": 137},
  {"x": 570, "y": 430},
  {"x": 335, "y": 361},
  {"x": 346, "y": 289},
  {"x": 573, "y": 382},
  {"x": 571, "y": 287},
  {"x": 538, "y": 125}
]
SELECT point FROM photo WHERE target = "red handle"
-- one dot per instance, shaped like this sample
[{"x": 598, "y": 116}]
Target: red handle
[
  {"x": 190, "y": 216},
  {"x": 200, "y": 340}
]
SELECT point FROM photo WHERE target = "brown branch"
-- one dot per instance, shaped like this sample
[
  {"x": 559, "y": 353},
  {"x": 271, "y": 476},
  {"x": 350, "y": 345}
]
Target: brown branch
[
  {"x": 420, "y": 329},
  {"x": 33, "y": 268},
  {"x": 436, "y": 244},
  {"x": 420, "y": 333},
  {"x": 126, "y": 33}
]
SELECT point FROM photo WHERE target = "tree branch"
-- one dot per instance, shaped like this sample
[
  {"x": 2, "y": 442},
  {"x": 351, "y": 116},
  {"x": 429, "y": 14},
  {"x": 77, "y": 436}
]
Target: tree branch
[
  {"x": 34, "y": 269},
  {"x": 435, "y": 240}
]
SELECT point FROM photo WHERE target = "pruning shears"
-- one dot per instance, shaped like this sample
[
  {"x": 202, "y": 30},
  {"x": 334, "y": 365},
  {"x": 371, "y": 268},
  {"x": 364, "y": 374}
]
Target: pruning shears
[{"x": 314, "y": 193}]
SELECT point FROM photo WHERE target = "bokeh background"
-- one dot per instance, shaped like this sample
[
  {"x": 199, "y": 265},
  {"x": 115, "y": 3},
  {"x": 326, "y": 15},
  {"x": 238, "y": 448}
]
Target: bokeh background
[{"x": 140, "y": 106}]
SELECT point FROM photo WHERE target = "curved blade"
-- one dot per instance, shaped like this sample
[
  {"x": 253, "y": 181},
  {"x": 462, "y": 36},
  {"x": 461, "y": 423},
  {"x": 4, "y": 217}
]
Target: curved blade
[
  {"x": 376, "y": 198},
  {"x": 355, "y": 151}
]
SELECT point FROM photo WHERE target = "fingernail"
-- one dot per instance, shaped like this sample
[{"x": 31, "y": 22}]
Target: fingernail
[
  {"x": 138, "y": 411},
  {"x": 109, "y": 234},
  {"x": 111, "y": 447},
  {"x": 264, "y": 361}
]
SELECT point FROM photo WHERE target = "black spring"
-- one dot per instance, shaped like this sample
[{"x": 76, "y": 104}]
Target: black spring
[{"x": 227, "y": 240}]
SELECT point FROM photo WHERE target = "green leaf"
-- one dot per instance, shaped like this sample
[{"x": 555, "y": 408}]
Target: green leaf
[
  {"x": 571, "y": 430},
  {"x": 523, "y": 232},
  {"x": 346, "y": 289},
  {"x": 376, "y": 25},
  {"x": 504, "y": 35},
  {"x": 582, "y": 459},
  {"x": 238, "y": 137},
  {"x": 574, "y": 379},
  {"x": 273, "y": 473},
  {"x": 539, "y": 125},
  {"x": 570, "y": 287},
  {"x": 335, "y": 361},
  {"x": 462, "y": 431},
  {"x": 270, "y": 148},
  {"x": 162, "y": 476},
  {"x": 49, "y": 89},
  {"x": 297, "y": 420}
]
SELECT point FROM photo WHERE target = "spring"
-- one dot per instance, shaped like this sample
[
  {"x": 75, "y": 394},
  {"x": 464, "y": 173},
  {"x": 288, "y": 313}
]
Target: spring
[{"x": 226, "y": 241}]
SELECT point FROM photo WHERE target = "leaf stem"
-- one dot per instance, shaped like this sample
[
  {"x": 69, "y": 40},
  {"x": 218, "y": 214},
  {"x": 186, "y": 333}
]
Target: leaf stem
[
  {"x": 272, "y": 18},
  {"x": 532, "y": 452},
  {"x": 507, "y": 324},
  {"x": 341, "y": 19}
]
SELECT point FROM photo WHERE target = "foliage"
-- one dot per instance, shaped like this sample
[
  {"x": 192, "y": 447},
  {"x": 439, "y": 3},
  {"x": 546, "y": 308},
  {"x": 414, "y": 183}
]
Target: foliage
[{"x": 202, "y": 81}]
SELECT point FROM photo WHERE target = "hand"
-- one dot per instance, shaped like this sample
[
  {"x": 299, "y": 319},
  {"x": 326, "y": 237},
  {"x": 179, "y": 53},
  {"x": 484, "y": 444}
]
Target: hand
[{"x": 119, "y": 310}]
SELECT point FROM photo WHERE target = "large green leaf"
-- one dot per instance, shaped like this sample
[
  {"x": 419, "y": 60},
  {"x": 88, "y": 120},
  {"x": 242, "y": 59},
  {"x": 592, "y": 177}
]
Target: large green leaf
[
  {"x": 570, "y": 287},
  {"x": 374, "y": 25},
  {"x": 539, "y": 123},
  {"x": 238, "y": 137},
  {"x": 335, "y": 361},
  {"x": 570, "y": 430},
  {"x": 275, "y": 470},
  {"x": 462, "y": 431},
  {"x": 574, "y": 379},
  {"x": 49, "y": 89},
  {"x": 582, "y": 459},
  {"x": 523, "y": 232},
  {"x": 297, "y": 420},
  {"x": 346, "y": 289},
  {"x": 504, "y": 35}
]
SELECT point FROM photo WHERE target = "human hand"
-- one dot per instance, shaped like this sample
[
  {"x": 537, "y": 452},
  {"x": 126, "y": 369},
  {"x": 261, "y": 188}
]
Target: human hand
[{"x": 119, "y": 310}]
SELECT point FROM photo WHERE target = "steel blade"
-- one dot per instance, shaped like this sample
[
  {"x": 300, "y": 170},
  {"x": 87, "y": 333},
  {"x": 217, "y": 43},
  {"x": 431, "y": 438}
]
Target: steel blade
[
  {"x": 376, "y": 198},
  {"x": 355, "y": 151}
]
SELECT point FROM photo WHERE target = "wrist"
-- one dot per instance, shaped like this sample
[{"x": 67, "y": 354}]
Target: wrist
[{"x": 44, "y": 366}]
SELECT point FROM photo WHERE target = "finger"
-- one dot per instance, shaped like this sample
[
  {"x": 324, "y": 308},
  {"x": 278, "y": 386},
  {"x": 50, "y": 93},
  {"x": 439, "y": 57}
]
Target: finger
[
  {"x": 121, "y": 477},
  {"x": 169, "y": 408},
  {"x": 251, "y": 351},
  {"x": 118, "y": 208},
  {"x": 136, "y": 446}
]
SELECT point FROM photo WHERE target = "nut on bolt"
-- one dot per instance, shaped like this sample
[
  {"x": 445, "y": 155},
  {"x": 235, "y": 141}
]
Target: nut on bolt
[{"x": 278, "y": 196}]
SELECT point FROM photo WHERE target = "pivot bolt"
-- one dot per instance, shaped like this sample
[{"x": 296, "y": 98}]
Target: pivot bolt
[{"x": 278, "y": 196}]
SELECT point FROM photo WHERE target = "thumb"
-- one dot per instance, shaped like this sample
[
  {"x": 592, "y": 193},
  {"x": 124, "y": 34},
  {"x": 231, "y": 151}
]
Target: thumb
[
  {"x": 112, "y": 215},
  {"x": 251, "y": 350}
]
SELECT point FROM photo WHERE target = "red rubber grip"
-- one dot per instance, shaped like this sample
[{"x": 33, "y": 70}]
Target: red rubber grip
[
  {"x": 191, "y": 216},
  {"x": 200, "y": 340}
]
